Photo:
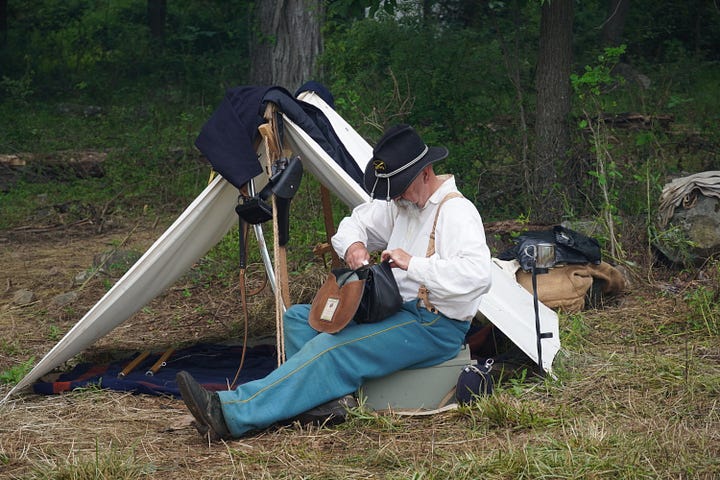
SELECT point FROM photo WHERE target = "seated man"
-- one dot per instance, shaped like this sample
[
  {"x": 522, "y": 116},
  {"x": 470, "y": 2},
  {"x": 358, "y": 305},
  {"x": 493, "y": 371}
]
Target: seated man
[{"x": 429, "y": 329}]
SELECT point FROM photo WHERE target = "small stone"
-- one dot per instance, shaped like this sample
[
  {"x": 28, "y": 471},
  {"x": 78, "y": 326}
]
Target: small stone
[
  {"x": 23, "y": 297},
  {"x": 54, "y": 271},
  {"x": 64, "y": 299},
  {"x": 81, "y": 277}
]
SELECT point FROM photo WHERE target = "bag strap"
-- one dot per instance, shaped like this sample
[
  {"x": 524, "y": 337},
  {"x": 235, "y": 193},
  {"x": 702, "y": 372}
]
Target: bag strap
[{"x": 423, "y": 292}]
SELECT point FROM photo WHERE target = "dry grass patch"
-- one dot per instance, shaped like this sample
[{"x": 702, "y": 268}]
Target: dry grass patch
[{"x": 636, "y": 393}]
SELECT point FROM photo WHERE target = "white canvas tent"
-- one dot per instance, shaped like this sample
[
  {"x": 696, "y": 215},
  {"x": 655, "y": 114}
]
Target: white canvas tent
[{"x": 211, "y": 215}]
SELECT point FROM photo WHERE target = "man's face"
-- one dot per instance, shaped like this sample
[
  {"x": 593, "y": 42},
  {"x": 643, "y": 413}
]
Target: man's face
[{"x": 413, "y": 195}]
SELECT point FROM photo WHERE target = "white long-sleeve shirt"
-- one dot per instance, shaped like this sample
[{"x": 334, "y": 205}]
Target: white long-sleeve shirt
[{"x": 460, "y": 270}]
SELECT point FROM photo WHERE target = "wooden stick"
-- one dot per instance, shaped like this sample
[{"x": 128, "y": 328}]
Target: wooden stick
[
  {"x": 133, "y": 364},
  {"x": 268, "y": 132},
  {"x": 162, "y": 361},
  {"x": 329, "y": 223}
]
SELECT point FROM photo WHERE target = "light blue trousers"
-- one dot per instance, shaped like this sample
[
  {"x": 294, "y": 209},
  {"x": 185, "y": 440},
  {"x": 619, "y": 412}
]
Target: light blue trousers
[{"x": 321, "y": 367}]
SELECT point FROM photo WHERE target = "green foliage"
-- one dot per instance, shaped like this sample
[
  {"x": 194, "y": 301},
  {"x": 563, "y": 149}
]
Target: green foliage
[
  {"x": 154, "y": 97},
  {"x": 452, "y": 94},
  {"x": 674, "y": 242},
  {"x": 150, "y": 165},
  {"x": 14, "y": 374},
  {"x": 93, "y": 50},
  {"x": 575, "y": 330},
  {"x": 502, "y": 410},
  {"x": 223, "y": 259},
  {"x": 54, "y": 332},
  {"x": 377, "y": 61},
  {"x": 704, "y": 309},
  {"x": 341, "y": 11},
  {"x": 18, "y": 90},
  {"x": 590, "y": 87},
  {"x": 92, "y": 388}
]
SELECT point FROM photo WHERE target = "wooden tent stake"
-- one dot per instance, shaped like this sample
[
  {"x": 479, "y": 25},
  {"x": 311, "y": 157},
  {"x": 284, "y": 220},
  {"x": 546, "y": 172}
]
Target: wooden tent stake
[
  {"x": 133, "y": 364},
  {"x": 161, "y": 362}
]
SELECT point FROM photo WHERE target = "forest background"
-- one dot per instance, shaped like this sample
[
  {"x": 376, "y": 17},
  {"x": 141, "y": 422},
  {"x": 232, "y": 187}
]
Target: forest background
[
  {"x": 562, "y": 111},
  {"x": 553, "y": 111}
]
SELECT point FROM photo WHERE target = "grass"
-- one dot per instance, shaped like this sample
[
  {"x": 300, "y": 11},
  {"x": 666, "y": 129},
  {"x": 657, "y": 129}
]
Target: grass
[
  {"x": 635, "y": 398},
  {"x": 14, "y": 374},
  {"x": 604, "y": 421},
  {"x": 151, "y": 161},
  {"x": 107, "y": 462}
]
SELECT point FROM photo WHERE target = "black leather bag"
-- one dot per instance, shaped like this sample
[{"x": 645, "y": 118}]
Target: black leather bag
[
  {"x": 570, "y": 247},
  {"x": 381, "y": 297}
]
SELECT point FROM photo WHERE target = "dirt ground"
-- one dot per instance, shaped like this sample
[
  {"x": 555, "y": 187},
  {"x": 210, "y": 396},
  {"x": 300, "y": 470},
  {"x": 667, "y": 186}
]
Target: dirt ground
[
  {"x": 50, "y": 262},
  {"x": 148, "y": 436}
]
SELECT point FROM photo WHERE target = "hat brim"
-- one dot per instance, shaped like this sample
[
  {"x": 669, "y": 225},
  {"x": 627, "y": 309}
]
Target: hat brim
[{"x": 377, "y": 187}]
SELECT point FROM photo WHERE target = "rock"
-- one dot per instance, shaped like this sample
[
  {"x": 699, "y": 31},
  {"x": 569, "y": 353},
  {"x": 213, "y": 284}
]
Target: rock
[
  {"x": 23, "y": 297},
  {"x": 81, "y": 277},
  {"x": 64, "y": 299},
  {"x": 693, "y": 232}
]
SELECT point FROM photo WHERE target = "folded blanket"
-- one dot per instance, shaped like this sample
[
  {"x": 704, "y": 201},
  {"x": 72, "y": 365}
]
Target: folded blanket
[{"x": 213, "y": 366}]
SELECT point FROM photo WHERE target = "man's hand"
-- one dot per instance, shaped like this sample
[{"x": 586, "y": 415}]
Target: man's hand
[
  {"x": 357, "y": 255},
  {"x": 398, "y": 258}
]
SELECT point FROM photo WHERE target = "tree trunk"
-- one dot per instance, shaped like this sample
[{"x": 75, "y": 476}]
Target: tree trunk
[
  {"x": 553, "y": 106},
  {"x": 286, "y": 42}
]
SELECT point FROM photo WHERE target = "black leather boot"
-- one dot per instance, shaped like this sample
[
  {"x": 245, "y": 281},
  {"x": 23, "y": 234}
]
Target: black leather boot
[
  {"x": 333, "y": 412},
  {"x": 204, "y": 406}
]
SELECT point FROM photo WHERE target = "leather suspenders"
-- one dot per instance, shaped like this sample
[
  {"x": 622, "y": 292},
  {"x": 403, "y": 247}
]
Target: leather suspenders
[{"x": 423, "y": 292}]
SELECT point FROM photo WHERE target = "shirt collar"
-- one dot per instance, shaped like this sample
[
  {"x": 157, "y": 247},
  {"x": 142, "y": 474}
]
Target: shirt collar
[{"x": 447, "y": 186}]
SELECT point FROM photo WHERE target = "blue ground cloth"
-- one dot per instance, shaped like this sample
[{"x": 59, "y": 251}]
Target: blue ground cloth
[{"x": 213, "y": 366}]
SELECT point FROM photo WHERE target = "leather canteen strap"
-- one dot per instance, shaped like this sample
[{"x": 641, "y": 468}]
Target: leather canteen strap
[
  {"x": 334, "y": 305},
  {"x": 423, "y": 292}
]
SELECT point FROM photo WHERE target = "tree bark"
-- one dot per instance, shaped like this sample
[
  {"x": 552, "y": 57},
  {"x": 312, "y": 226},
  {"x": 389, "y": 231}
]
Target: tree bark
[
  {"x": 286, "y": 42},
  {"x": 553, "y": 106}
]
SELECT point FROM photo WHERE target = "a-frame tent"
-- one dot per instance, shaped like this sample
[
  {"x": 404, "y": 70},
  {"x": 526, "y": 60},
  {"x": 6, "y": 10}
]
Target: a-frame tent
[{"x": 211, "y": 215}]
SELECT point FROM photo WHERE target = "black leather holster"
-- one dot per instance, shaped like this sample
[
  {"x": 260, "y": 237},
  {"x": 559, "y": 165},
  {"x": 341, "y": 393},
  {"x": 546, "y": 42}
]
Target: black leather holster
[{"x": 284, "y": 183}]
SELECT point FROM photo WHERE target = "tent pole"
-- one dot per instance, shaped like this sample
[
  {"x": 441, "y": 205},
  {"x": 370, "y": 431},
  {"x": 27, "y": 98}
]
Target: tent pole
[
  {"x": 538, "y": 331},
  {"x": 264, "y": 253}
]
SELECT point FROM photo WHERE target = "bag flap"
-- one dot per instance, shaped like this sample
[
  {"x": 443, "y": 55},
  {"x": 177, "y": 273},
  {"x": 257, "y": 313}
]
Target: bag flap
[{"x": 334, "y": 305}]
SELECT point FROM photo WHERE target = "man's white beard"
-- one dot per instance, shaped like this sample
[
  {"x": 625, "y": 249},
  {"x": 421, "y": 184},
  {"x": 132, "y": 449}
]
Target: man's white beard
[{"x": 408, "y": 207}]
